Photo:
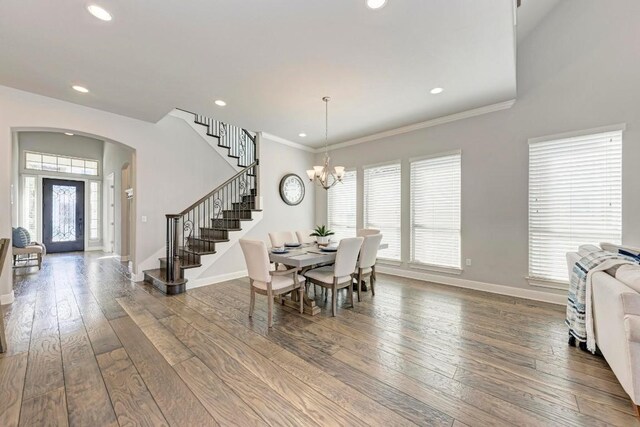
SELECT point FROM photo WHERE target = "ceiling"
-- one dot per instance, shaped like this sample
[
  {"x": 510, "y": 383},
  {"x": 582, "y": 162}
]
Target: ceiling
[{"x": 271, "y": 61}]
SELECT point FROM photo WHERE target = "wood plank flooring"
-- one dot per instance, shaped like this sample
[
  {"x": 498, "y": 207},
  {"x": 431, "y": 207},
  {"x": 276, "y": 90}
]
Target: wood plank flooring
[{"x": 88, "y": 347}]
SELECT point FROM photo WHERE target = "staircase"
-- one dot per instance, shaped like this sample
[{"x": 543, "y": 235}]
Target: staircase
[{"x": 198, "y": 230}]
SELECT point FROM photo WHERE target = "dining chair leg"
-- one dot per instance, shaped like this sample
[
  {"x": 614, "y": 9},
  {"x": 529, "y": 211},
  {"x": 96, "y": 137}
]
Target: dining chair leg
[
  {"x": 334, "y": 299},
  {"x": 270, "y": 308},
  {"x": 351, "y": 292},
  {"x": 372, "y": 281},
  {"x": 253, "y": 301},
  {"x": 301, "y": 299},
  {"x": 359, "y": 282}
]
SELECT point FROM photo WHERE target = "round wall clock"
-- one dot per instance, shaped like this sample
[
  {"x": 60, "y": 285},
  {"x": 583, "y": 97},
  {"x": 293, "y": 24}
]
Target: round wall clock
[{"x": 292, "y": 189}]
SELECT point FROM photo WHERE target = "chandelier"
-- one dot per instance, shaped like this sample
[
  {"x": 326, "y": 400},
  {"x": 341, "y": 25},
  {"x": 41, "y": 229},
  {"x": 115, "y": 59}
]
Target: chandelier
[{"x": 325, "y": 176}]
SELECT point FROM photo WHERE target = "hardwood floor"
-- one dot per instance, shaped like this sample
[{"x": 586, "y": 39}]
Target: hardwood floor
[{"x": 88, "y": 347}]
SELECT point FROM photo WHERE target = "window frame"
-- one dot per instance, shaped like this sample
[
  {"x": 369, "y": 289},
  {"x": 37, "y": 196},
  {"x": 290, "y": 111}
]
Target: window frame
[
  {"x": 57, "y": 157},
  {"x": 399, "y": 163},
  {"x": 543, "y": 282},
  {"x": 412, "y": 262}
]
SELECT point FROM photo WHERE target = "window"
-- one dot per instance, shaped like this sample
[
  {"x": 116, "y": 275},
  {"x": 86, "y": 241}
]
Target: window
[
  {"x": 382, "y": 195},
  {"x": 435, "y": 211},
  {"x": 342, "y": 207},
  {"x": 30, "y": 206},
  {"x": 94, "y": 207},
  {"x": 53, "y": 163},
  {"x": 575, "y": 198}
]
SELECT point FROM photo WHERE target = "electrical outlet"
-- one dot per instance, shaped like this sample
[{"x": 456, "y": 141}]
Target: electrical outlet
[{"x": 468, "y": 262}]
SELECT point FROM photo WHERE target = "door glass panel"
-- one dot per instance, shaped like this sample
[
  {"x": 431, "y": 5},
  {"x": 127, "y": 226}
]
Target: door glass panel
[{"x": 63, "y": 218}]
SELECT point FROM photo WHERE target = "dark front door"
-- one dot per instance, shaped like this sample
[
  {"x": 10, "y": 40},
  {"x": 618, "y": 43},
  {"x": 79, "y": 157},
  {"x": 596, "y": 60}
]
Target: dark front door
[{"x": 63, "y": 215}]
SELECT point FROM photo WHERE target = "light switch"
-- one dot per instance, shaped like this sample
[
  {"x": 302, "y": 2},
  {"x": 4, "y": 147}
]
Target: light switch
[{"x": 144, "y": 218}]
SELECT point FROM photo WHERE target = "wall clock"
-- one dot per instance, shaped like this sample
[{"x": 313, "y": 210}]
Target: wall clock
[{"x": 292, "y": 189}]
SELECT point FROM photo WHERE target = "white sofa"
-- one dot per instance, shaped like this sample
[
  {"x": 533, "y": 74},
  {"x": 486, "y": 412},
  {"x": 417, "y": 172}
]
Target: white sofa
[{"x": 616, "y": 315}]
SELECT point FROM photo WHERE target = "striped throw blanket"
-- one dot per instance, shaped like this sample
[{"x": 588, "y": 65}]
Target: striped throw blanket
[{"x": 579, "y": 309}]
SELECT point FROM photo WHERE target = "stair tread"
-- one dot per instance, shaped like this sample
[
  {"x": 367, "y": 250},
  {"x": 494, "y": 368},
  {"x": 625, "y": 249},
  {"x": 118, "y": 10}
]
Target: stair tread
[
  {"x": 209, "y": 239},
  {"x": 158, "y": 274},
  {"x": 183, "y": 266},
  {"x": 220, "y": 229},
  {"x": 196, "y": 252}
]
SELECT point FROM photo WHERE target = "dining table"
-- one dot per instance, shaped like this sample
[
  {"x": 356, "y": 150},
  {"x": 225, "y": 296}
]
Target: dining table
[{"x": 305, "y": 257}]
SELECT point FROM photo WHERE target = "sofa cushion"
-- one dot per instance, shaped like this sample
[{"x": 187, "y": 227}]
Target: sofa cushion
[
  {"x": 20, "y": 237},
  {"x": 629, "y": 275}
]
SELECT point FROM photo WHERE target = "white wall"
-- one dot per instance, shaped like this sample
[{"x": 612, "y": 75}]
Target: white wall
[
  {"x": 174, "y": 166},
  {"x": 59, "y": 143},
  {"x": 578, "y": 70},
  {"x": 276, "y": 160}
]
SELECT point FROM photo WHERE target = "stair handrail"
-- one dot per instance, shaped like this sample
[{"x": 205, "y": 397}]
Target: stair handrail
[{"x": 215, "y": 190}]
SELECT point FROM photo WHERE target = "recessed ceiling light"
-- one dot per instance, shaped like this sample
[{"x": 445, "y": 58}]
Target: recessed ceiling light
[
  {"x": 99, "y": 12},
  {"x": 436, "y": 90},
  {"x": 81, "y": 89},
  {"x": 302, "y": 135},
  {"x": 68, "y": 133},
  {"x": 220, "y": 103},
  {"x": 376, "y": 4}
]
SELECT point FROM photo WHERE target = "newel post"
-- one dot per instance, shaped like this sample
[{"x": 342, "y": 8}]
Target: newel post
[{"x": 173, "y": 261}]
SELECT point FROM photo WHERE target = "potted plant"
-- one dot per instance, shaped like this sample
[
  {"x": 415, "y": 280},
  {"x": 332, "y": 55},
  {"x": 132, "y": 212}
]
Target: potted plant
[{"x": 322, "y": 234}]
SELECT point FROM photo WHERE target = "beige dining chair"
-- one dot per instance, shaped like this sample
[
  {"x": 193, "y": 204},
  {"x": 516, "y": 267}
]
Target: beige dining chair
[
  {"x": 366, "y": 266},
  {"x": 269, "y": 283},
  {"x": 304, "y": 236},
  {"x": 367, "y": 232},
  {"x": 280, "y": 238},
  {"x": 339, "y": 275},
  {"x": 4, "y": 248}
]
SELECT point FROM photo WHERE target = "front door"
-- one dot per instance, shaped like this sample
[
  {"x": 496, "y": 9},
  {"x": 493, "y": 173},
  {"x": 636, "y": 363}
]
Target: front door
[{"x": 63, "y": 215}]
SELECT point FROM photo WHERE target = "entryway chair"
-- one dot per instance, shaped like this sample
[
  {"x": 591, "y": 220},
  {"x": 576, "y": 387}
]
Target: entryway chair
[
  {"x": 340, "y": 274},
  {"x": 366, "y": 266},
  {"x": 269, "y": 283}
]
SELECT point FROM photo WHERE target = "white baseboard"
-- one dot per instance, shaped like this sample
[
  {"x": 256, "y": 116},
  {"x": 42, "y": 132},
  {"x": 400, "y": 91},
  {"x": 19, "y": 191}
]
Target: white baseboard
[
  {"x": 93, "y": 248},
  {"x": 549, "y": 297},
  {"x": 204, "y": 281},
  {"x": 7, "y": 298}
]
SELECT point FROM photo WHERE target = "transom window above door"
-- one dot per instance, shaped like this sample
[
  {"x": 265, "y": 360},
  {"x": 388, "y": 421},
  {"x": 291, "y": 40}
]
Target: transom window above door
[{"x": 62, "y": 164}]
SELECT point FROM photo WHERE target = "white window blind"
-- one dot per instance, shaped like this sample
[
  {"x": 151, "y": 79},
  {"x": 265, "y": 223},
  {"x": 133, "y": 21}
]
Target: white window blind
[
  {"x": 382, "y": 196},
  {"x": 435, "y": 211},
  {"x": 575, "y": 198},
  {"x": 342, "y": 207}
]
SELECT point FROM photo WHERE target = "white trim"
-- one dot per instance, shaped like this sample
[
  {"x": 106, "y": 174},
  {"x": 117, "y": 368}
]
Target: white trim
[
  {"x": 205, "y": 281},
  {"x": 549, "y": 284},
  {"x": 7, "y": 298},
  {"x": 436, "y": 155},
  {"x": 122, "y": 258},
  {"x": 94, "y": 248},
  {"x": 427, "y": 124},
  {"x": 382, "y": 164},
  {"x": 534, "y": 295},
  {"x": 435, "y": 268},
  {"x": 620, "y": 127},
  {"x": 288, "y": 143}
]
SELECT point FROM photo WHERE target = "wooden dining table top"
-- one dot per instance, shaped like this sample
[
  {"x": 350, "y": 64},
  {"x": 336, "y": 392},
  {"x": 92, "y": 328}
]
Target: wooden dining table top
[{"x": 307, "y": 255}]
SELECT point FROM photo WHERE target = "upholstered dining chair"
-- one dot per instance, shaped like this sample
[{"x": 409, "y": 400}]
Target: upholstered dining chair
[
  {"x": 366, "y": 266},
  {"x": 269, "y": 283},
  {"x": 367, "y": 232},
  {"x": 279, "y": 238},
  {"x": 340, "y": 274},
  {"x": 304, "y": 236}
]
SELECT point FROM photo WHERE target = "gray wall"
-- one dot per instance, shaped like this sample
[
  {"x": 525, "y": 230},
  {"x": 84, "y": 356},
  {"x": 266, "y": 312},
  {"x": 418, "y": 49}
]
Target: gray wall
[{"x": 578, "y": 70}]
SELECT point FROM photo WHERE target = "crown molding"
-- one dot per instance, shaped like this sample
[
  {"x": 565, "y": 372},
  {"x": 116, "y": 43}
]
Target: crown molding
[
  {"x": 427, "y": 124},
  {"x": 284, "y": 141}
]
